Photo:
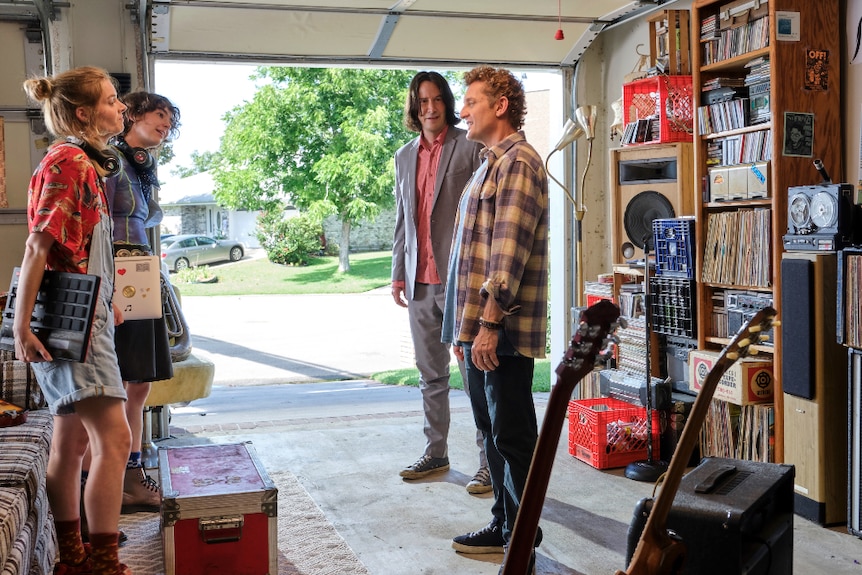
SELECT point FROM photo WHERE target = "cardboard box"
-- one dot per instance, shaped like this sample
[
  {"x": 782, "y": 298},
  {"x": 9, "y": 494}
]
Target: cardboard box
[
  {"x": 739, "y": 182},
  {"x": 219, "y": 511},
  {"x": 747, "y": 381}
]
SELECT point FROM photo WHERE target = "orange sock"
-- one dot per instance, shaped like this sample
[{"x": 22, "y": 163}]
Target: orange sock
[
  {"x": 71, "y": 548},
  {"x": 104, "y": 556}
]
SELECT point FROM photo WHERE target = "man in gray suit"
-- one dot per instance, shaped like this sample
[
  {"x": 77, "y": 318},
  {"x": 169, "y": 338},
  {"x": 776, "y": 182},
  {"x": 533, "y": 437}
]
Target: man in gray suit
[{"x": 430, "y": 173}]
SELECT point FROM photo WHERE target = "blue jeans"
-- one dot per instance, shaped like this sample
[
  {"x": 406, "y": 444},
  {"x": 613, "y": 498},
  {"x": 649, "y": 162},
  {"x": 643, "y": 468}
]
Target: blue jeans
[{"x": 503, "y": 408}]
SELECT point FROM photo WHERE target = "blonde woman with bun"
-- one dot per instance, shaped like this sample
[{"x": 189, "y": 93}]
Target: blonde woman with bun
[{"x": 70, "y": 231}]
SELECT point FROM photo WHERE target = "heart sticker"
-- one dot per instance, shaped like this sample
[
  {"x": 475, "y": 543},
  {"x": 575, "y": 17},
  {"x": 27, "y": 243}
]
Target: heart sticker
[{"x": 121, "y": 271}]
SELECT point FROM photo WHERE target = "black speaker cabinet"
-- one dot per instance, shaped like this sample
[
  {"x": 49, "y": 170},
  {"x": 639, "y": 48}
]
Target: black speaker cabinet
[
  {"x": 735, "y": 517},
  {"x": 814, "y": 380},
  {"x": 649, "y": 182}
]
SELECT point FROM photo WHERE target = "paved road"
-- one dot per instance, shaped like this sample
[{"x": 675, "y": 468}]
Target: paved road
[{"x": 259, "y": 339}]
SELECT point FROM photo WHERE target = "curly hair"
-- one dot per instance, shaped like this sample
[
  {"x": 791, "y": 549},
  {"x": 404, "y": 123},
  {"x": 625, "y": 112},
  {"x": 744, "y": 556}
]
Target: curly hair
[
  {"x": 500, "y": 83},
  {"x": 412, "y": 107},
  {"x": 140, "y": 103},
  {"x": 61, "y": 95}
]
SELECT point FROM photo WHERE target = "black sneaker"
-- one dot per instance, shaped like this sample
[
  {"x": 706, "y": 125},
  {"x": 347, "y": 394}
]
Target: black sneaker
[
  {"x": 489, "y": 539},
  {"x": 425, "y": 465}
]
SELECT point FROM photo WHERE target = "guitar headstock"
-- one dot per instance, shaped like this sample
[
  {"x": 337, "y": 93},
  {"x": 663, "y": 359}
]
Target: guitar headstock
[
  {"x": 749, "y": 335},
  {"x": 597, "y": 322}
]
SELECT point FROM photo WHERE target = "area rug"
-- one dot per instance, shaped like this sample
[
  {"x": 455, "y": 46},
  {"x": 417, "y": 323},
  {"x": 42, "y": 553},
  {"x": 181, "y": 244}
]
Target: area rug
[{"x": 307, "y": 543}]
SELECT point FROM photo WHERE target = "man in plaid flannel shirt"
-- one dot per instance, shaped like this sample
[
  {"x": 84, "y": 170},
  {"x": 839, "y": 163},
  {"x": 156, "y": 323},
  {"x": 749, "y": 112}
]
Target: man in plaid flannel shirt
[{"x": 496, "y": 297}]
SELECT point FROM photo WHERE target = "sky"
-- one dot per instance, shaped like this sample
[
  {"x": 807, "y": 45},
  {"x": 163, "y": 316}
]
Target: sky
[{"x": 204, "y": 92}]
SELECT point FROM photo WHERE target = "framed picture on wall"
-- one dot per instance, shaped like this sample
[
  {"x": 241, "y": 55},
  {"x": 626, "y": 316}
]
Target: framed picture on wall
[{"x": 798, "y": 134}]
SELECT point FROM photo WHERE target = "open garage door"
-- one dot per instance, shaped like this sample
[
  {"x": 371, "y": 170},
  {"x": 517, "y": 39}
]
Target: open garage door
[{"x": 514, "y": 33}]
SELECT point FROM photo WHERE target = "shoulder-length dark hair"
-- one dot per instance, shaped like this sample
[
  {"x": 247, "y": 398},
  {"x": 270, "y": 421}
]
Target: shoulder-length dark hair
[{"x": 411, "y": 108}]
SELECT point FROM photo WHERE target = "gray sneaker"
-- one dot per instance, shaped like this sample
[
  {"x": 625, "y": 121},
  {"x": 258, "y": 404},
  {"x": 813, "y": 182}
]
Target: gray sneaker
[
  {"x": 481, "y": 482},
  {"x": 425, "y": 465}
]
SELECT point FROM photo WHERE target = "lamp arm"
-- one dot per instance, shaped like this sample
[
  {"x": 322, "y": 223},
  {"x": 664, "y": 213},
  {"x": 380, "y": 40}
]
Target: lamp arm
[
  {"x": 550, "y": 175},
  {"x": 580, "y": 206}
]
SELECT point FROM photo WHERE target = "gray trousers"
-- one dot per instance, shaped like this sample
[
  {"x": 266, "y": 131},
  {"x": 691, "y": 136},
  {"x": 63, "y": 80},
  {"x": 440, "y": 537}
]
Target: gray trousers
[{"x": 425, "y": 311}]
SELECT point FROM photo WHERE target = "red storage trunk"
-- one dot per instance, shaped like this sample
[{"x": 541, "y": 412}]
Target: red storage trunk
[{"x": 219, "y": 511}]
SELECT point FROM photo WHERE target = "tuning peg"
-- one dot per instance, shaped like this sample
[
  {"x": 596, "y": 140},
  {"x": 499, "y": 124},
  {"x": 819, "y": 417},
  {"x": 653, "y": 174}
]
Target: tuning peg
[
  {"x": 732, "y": 355},
  {"x": 764, "y": 337},
  {"x": 776, "y": 323},
  {"x": 744, "y": 342},
  {"x": 753, "y": 351},
  {"x": 755, "y": 329}
]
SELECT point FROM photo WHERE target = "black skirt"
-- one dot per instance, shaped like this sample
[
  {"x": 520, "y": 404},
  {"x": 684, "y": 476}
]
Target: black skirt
[{"x": 144, "y": 350}]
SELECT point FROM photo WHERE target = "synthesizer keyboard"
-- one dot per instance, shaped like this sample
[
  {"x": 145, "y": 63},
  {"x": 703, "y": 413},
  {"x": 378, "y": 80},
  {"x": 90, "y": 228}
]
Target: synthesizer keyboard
[{"x": 63, "y": 314}]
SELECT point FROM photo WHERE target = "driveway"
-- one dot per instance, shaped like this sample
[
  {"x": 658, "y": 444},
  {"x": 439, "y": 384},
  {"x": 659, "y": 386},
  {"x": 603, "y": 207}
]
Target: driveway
[{"x": 260, "y": 339}]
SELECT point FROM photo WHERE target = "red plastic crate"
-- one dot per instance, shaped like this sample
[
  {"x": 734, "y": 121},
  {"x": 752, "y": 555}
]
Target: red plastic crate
[
  {"x": 669, "y": 99},
  {"x": 606, "y": 432}
]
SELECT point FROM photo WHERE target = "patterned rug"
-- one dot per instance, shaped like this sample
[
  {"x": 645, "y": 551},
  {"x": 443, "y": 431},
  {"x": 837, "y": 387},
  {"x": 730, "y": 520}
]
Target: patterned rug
[{"x": 307, "y": 543}]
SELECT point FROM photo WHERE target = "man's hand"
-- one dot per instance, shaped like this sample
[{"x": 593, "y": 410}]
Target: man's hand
[
  {"x": 398, "y": 296},
  {"x": 459, "y": 352},
  {"x": 484, "y": 353}
]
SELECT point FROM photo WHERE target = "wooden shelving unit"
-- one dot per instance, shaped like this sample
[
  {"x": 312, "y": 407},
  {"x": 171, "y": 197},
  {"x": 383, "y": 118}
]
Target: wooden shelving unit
[
  {"x": 669, "y": 35},
  {"x": 793, "y": 89}
]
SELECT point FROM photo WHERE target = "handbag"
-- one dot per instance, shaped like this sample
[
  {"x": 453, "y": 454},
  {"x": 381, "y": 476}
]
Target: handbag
[{"x": 137, "y": 288}]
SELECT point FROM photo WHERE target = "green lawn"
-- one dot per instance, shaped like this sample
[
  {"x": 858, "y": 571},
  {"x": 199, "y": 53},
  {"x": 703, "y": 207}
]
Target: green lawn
[
  {"x": 410, "y": 376},
  {"x": 368, "y": 270}
]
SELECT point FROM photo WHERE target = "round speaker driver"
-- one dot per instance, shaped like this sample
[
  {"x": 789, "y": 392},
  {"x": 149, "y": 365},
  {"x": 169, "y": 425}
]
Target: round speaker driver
[
  {"x": 824, "y": 210},
  {"x": 640, "y": 212},
  {"x": 799, "y": 211}
]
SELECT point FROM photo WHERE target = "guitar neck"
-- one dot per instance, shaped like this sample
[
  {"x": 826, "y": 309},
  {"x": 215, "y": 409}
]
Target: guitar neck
[
  {"x": 657, "y": 553},
  {"x": 596, "y": 323},
  {"x": 535, "y": 489}
]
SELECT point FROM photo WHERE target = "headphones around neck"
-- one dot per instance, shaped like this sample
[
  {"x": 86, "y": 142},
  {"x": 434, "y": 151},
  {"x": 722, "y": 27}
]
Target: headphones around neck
[
  {"x": 106, "y": 159},
  {"x": 139, "y": 157}
]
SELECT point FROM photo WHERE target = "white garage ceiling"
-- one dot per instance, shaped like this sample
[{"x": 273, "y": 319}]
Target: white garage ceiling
[{"x": 517, "y": 33}]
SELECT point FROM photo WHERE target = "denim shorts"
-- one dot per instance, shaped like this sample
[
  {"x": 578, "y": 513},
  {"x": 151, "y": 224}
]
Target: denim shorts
[{"x": 65, "y": 382}]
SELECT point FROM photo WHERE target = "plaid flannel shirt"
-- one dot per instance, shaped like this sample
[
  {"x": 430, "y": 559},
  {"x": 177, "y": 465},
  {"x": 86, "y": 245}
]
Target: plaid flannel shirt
[{"x": 504, "y": 242}]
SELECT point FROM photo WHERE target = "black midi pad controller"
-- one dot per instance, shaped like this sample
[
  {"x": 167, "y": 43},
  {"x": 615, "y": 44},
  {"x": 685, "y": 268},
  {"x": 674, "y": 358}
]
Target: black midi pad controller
[{"x": 63, "y": 314}]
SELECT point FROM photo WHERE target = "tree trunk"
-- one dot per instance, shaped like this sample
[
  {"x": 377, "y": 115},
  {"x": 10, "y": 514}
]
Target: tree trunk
[{"x": 344, "y": 247}]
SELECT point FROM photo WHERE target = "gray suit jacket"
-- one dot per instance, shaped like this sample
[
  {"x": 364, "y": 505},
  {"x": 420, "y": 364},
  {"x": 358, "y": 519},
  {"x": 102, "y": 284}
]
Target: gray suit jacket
[{"x": 459, "y": 158}]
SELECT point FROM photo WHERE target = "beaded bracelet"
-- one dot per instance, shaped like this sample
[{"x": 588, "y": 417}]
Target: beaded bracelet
[{"x": 490, "y": 324}]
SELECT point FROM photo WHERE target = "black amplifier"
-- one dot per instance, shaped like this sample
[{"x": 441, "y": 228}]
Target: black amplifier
[
  {"x": 821, "y": 218},
  {"x": 734, "y": 517}
]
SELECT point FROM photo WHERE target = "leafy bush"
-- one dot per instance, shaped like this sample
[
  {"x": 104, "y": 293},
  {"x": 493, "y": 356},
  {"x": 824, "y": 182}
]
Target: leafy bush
[
  {"x": 293, "y": 241},
  {"x": 194, "y": 274}
]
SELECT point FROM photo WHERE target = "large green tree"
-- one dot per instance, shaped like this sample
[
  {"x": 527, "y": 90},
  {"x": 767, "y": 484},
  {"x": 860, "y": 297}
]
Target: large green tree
[{"x": 320, "y": 138}]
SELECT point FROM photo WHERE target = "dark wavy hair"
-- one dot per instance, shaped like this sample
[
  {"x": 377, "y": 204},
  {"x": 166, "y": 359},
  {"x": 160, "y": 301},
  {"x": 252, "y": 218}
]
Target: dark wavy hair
[
  {"x": 500, "y": 82},
  {"x": 411, "y": 107},
  {"x": 140, "y": 103}
]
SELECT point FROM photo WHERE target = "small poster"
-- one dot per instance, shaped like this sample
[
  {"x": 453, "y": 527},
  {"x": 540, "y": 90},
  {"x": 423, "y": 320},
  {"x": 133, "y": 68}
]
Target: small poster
[
  {"x": 787, "y": 26},
  {"x": 817, "y": 70},
  {"x": 798, "y": 134}
]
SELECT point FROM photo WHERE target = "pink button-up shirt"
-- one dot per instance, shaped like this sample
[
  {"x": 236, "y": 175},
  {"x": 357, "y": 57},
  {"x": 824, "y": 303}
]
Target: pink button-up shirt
[{"x": 427, "y": 162}]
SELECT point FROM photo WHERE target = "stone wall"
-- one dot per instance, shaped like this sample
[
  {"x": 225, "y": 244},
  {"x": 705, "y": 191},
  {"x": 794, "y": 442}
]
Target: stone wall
[{"x": 375, "y": 235}]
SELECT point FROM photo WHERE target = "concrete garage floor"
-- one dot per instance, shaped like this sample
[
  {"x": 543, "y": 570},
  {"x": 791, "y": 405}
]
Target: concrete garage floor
[{"x": 346, "y": 441}]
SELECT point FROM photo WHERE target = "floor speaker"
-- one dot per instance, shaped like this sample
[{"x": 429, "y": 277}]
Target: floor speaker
[
  {"x": 649, "y": 182},
  {"x": 734, "y": 517},
  {"x": 814, "y": 378},
  {"x": 854, "y": 433}
]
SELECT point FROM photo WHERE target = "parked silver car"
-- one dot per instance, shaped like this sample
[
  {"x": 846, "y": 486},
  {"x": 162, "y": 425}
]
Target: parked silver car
[{"x": 182, "y": 251}]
